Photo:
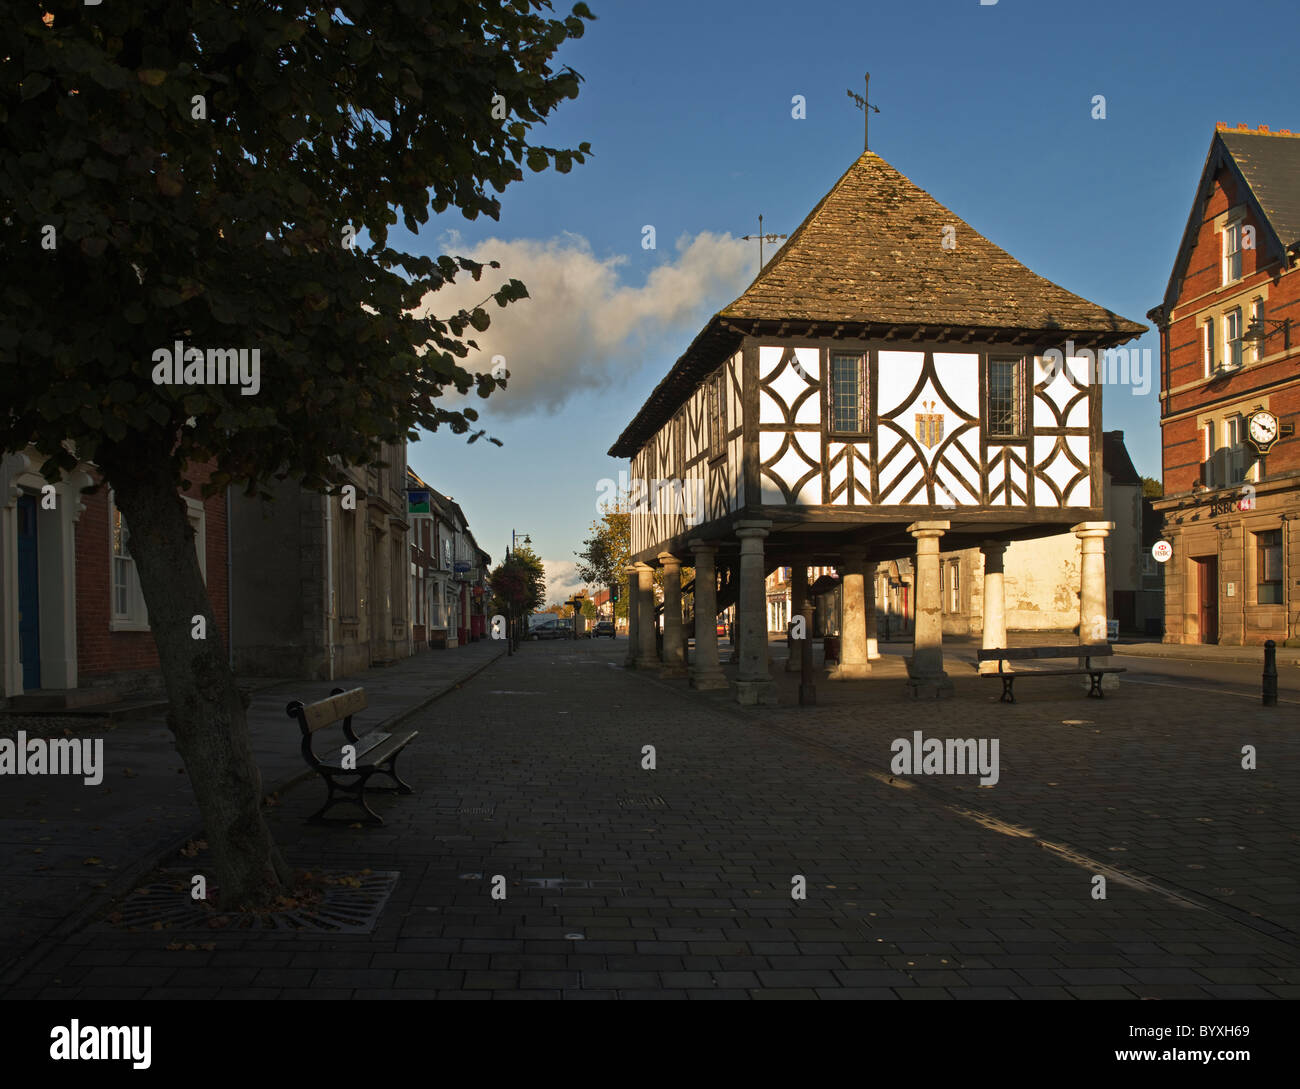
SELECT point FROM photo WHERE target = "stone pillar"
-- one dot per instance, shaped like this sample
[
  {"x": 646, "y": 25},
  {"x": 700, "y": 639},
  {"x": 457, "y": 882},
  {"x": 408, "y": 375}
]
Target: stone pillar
[
  {"x": 647, "y": 656},
  {"x": 926, "y": 676},
  {"x": 674, "y": 637},
  {"x": 995, "y": 602},
  {"x": 633, "y": 597},
  {"x": 1092, "y": 589},
  {"x": 869, "y": 583},
  {"x": 798, "y": 603},
  {"x": 853, "y": 663},
  {"x": 706, "y": 670},
  {"x": 753, "y": 682}
]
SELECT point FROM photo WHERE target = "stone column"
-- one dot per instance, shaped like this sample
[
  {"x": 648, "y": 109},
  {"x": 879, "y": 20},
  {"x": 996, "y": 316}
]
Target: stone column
[
  {"x": 706, "y": 670},
  {"x": 753, "y": 682},
  {"x": 869, "y": 583},
  {"x": 995, "y": 602},
  {"x": 646, "y": 655},
  {"x": 633, "y": 596},
  {"x": 926, "y": 676},
  {"x": 798, "y": 602},
  {"x": 853, "y": 663},
  {"x": 674, "y": 637},
  {"x": 1092, "y": 589}
]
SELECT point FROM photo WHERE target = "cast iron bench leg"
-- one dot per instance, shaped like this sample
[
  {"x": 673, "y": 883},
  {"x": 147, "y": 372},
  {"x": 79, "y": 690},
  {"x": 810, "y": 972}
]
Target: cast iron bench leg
[
  {"x": 1095, "y": 690},
  {"x": 1008, "y": 696},
  {"x": 356, "y": 794},
  {"x": 389, "y": 768}
]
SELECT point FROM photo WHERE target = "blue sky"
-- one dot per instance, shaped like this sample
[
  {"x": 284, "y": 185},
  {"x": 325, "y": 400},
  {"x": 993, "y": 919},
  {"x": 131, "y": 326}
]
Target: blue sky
[{"x": 688, "y": 110}]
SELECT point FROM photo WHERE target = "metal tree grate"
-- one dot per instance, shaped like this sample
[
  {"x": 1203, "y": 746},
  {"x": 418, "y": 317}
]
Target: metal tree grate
[
  {"x": 343, "y": 909},
  {"x": 642, "y": 801}
]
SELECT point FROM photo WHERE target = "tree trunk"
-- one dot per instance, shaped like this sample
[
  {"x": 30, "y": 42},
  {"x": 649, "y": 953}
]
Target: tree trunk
[{"x": 206, "y": 713}]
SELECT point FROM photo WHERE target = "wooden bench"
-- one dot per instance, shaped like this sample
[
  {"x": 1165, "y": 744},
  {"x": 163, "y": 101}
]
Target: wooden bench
[
  {"x": 374, "y": 752},
  {"x": 1015, "y": 654}
]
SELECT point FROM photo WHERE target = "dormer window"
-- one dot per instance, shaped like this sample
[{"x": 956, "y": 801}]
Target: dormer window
[{"x": 1231, "y": 252}]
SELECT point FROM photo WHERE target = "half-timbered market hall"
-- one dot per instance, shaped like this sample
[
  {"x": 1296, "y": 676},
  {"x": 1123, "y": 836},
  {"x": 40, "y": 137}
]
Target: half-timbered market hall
[{"x": 892, "y": 383}]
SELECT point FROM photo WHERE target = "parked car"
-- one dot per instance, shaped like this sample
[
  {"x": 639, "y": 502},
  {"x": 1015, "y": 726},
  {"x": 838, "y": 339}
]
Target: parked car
[
  {"x": 552, "y": 629},
  {"x": 722, "y": 630},
  {"x": 605, "y": 627}
]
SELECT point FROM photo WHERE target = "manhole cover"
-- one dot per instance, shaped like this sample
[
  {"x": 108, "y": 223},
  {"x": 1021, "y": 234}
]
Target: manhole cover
[
  {"x": 343, "y": 908},
  {"x": 642, "y": 801}
]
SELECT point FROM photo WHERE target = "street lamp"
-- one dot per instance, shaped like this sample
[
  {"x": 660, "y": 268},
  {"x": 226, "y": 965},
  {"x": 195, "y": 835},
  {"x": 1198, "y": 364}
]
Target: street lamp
[
  {"x": 514, "y": 545},
  {"x": 1256, "y": 333}
]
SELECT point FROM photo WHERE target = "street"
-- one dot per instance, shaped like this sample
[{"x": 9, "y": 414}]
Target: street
[{"x": 622, "y": 880}]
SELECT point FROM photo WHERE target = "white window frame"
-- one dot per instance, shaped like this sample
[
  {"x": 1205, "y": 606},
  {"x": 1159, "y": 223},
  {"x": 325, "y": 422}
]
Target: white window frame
[
  {"x": 1234, "y": 354},
  {"x": 1208, "y": 335},
  {"x": 1234, "y": 430},
  {"x": 1210, "y": 475},
  {"x": 136, "y": 615},
  {"x": 1231, "y": 251},
  {"x": 1257, "y": 315}
]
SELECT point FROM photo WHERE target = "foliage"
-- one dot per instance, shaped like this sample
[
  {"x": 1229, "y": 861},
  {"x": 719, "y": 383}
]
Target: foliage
[
  {"x": 606, "y": 552},
  {"x": 222, "y": 175}
]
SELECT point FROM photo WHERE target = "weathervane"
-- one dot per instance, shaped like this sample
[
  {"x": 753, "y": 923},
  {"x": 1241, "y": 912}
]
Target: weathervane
[
  {"x": 866, "y": 107},
  {"x": 761, "y": 238}
]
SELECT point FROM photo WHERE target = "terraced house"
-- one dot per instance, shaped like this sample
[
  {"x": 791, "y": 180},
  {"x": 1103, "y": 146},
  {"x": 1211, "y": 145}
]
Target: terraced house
[
  {"x": 890, "y": 383},
  {"x": 1230, "y": 398}
]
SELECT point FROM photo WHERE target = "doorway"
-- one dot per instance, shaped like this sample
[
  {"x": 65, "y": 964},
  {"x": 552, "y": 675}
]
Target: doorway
[{"x": 1207, "y": 592}]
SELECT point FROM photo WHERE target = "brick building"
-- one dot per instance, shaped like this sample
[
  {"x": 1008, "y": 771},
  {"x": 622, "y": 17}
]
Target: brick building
[
  {"x": 1230, "y": 398},
  {"x": 74, "y": 629}
]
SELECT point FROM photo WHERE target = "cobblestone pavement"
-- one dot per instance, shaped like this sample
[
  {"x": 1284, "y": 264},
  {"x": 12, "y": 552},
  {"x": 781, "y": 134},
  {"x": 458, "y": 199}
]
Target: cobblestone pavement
[
  {"x": 676, "y": 882},
  {"x": 64, "y": 846}
]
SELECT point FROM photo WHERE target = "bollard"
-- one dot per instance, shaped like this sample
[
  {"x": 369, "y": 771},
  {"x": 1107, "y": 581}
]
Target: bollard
[{"x": 1270, "y": 674}]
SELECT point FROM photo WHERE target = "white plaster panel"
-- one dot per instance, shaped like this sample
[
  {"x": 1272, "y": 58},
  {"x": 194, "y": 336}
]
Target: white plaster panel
[
  {"x": 896, "y": 374},
  {"x": 959, "y": 374}
]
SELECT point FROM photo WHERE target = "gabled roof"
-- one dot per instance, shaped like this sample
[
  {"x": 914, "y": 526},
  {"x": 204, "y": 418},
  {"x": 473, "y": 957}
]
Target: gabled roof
[
  {"x": 870, "y": 259},
  {"x": 1267, "y": 167},
  {"x": 873, "y": 251}
]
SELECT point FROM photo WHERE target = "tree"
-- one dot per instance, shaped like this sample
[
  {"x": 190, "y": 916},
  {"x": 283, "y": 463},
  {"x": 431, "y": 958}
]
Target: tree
[
  {"x": 604, "y": 558},
  {"x": 518, "y": 583},
  {"x": 588, "y": 608},
  {"x": 1152, "y": 488},
  {"x": 194, "y": 177}
]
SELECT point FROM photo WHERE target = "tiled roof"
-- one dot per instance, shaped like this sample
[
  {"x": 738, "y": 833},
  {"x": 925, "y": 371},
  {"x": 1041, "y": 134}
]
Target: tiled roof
[
  {"x": 1270, "y": 163},
  {"x": 874, "y": 251}
]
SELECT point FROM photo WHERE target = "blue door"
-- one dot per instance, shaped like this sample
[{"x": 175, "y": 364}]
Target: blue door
[{"x": 29, "y": 603}]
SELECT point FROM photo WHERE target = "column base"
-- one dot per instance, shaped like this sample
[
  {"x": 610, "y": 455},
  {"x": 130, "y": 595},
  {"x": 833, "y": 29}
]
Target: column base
[
  {"x": 672, "y": 671},
  {"x": 647, "y": 662},
  {"x": 850, "y": 671},
  {"x": 792, "y": 664},
  {"x": 753, "y": 693},
  {"x": 709, "y": 681},
  {"x": 929, "y": 688}
]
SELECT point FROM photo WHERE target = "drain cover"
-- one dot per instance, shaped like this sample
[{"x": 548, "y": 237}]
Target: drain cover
[
  {"x": 569, "y": 883},
  {"x": 343, "y": 909},
  {"x": 642, "y": 801}
]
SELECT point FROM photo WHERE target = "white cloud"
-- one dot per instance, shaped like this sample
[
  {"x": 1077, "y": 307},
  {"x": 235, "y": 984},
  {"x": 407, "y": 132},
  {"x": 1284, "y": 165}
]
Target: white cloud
[
  {"x": 561, "y": 580},
  {"x": 582, "y": 328}
]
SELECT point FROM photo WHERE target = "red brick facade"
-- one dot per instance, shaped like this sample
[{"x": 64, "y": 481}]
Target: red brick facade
[
  {"x": 1227, "y": 511},
  {"x": 103, "y": 652}
]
